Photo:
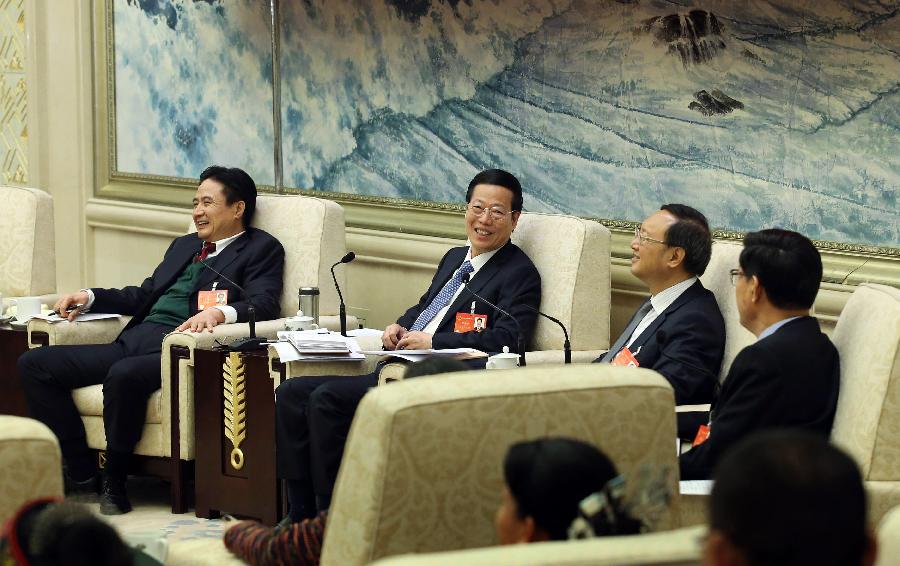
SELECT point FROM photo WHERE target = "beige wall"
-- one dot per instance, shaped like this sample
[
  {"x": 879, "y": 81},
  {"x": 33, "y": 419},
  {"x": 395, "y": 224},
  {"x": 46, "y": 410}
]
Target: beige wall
[
  {"x": 61, "y": 123},
  {"x": 113, "y": 242},
  {"x": 13, "y": 93}
]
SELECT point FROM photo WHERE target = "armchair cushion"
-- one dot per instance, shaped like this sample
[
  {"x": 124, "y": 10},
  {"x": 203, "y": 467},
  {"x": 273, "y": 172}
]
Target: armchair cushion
[
  {"x": 89, "y": 401},
  {"x": 717, "y": 278},
  {"x": 93, "y": 332},
  {"x": 867, "y": 422},
  {"x": 572, "y": 256},
  {"x": 27, "y": 259},
  {"x": 31, "y": 463},
  {"x": 681, "y": 547},
  {"x": 422, "y": 467},
  {"x": 889, "y": 539}
]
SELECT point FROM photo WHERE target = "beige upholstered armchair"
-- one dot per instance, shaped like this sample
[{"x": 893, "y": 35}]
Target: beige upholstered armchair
[
  {"x": 681, "y": 547},
  {"x": 867, "y": 423},
  {"x": 717, "y": 278},
  {"x": 30, "y": 460},
  {"x": 27, "y": 258},
  {"x": 889, "y": 539},
  {"x": 572, "y": 255},
  {"x": 422, "y": 471},
  {"x": 312, "y": 233}
]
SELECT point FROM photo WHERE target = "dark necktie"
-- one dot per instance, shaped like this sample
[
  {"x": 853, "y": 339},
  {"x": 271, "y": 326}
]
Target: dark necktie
[
  {"x": 626, "y": 334},
  {"x": 208, "y": 248}
]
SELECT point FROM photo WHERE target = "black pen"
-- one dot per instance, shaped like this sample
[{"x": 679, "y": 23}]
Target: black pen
[{"x": 71, "y": 308}]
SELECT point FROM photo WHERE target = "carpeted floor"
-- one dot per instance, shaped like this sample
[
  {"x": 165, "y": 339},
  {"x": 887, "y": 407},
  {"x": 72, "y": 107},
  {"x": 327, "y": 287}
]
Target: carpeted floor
[{"x": 152, "y": 526}]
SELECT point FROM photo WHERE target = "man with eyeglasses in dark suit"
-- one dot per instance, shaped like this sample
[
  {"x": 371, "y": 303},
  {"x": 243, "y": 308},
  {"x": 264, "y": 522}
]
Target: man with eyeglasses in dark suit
[
  {"x": 313, "y": 414},
  {"x": 788, "y": 378},
  {"x": 679, "y": 331}
]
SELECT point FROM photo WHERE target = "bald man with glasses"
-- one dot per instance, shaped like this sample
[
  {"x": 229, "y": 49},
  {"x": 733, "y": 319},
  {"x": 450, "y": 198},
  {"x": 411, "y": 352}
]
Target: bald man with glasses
[{"x": 679, "y": 330}]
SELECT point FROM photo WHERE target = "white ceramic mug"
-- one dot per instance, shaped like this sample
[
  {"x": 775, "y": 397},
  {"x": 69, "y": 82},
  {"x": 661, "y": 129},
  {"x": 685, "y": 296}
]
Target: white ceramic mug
[
  {"x": 300, "y": 323},
  {"x": 503, "y": 361},
  {"x": 27, "y": 307}
]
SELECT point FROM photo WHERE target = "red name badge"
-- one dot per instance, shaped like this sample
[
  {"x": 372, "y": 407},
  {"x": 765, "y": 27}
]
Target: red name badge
[
  {"x": 207, "y": 299},
  {"x": 625, "y": 358},
  {"x": 702, "y": 435},
  {"x": 466, "y": 322}
]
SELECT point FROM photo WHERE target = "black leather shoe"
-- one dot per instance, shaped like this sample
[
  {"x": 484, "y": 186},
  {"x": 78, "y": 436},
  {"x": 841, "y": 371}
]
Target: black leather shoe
[
  {"x": 84, "y": 490},
  {"x": 114, "y": 498}
]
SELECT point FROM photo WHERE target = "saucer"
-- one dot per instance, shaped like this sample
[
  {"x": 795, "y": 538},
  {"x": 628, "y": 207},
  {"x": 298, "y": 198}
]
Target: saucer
[{"x": 18, "y": 324}]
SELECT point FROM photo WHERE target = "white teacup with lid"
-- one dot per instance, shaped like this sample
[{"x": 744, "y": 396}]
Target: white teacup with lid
[
  {"x": 300, "y": 322},
  {"x": 506, "y": 360}
]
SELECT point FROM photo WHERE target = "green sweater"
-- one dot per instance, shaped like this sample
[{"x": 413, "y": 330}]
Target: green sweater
[{"x": 173, "y": 307}]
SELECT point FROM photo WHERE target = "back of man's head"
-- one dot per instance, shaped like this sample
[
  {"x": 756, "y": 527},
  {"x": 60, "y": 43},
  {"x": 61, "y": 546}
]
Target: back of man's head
[
  {"x": 237, "y": 185},
  {"x": 787, "y": 498},
  {"x": 691, "y": 232},
  {"x": 787, "y": 265}
]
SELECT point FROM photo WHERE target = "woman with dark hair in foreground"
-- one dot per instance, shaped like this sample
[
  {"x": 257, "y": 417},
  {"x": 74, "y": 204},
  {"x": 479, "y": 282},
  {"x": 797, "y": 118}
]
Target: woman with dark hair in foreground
[{"x": 560, "y": 488}]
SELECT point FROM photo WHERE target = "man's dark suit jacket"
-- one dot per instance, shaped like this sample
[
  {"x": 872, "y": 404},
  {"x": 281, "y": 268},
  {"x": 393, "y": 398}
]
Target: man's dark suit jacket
[
  {"x": 255, "y": 260},
  {"x": 788, "y": 379},
  {"x": 509, "y": 280},
  {"x": 686, "y": 344}
]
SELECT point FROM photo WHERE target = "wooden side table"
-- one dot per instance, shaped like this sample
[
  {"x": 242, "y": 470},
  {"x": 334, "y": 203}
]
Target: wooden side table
[
  {"x": 234, "y": 408},
  {"x": 13, "y": 343}
]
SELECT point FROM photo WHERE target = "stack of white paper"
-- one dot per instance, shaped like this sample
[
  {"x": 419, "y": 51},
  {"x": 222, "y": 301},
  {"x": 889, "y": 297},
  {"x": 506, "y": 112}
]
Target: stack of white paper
[
  {"x": 316, "y": 346},
  {"x": 418, "y": 355},
  {"x": 83, "y": 317}
]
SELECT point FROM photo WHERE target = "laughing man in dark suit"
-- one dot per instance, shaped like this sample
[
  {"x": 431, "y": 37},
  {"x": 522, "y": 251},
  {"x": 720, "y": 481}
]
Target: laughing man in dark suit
[
  {"x": 181, "y": 294},
  {"x": 314, "y": 413},
  {"x": 790, "y": 377},
  {"x": 679, "y": 331}
]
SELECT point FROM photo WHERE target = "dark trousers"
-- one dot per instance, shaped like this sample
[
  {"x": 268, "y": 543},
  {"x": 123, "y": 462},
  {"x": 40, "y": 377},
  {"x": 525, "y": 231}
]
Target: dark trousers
[
  {"x": 129, "y": 370},
  {"x": 313, "y": 417}
]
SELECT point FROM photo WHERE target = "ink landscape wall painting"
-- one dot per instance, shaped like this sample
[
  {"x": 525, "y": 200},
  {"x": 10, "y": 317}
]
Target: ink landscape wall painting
[{"x": 760, "y": 113}]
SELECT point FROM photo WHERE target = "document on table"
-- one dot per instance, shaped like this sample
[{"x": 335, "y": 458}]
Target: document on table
[
  {"x": 360, "y": 332},
  {"x": 695, "y": 487},
  {"x": 418, "y": 355},
  {"x": 84, "y": 317},
  {"x": 301, "y": 345}
]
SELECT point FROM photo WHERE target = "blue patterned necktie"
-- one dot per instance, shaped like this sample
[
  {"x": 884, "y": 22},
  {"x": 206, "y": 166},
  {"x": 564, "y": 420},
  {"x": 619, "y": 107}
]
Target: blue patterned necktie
[{"x": 443, "y": 298}]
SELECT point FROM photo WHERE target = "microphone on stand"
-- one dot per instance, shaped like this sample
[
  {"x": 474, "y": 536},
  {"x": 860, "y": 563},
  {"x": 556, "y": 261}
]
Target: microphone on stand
[
  {"x": 251, "y": 342},
  {"x": 567, "y": 347},
  {"x": 520, "y": 341},
  {"x": 343, "y": 308}
]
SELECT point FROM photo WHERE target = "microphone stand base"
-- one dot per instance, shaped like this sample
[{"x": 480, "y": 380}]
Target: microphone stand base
[{"x": 248, "y": 344}]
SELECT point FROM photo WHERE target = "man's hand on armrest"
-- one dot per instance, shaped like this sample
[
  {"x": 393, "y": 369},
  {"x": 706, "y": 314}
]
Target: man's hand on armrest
[{"x": 206, "y": 319}]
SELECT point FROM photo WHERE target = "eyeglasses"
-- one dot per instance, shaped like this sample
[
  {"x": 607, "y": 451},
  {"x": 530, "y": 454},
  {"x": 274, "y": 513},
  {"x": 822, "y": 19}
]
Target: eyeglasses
[
  {"x": 642, "y": 238},
  {"x": 496, "y": 213},
  {"x": 735, "y": 273}
]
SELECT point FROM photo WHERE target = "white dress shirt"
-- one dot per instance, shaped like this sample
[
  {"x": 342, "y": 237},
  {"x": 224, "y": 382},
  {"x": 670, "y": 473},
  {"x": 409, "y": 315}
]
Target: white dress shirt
[
  {"x": 774, "y": 327},
  {"x": 660, "y": 301}
]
